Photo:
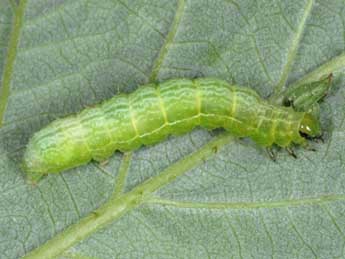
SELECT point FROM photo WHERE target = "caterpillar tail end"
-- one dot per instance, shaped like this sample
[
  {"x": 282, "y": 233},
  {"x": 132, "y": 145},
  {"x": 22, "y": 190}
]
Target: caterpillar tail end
[{"x": 32, "y": 177}]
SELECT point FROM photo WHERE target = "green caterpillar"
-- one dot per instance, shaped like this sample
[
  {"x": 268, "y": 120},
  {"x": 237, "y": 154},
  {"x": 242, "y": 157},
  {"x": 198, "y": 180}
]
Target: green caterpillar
[{"x": 154, "y": 111}]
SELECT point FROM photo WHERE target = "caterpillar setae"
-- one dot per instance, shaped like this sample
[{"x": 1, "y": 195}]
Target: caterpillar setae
[{"x": 154, "y": 111}]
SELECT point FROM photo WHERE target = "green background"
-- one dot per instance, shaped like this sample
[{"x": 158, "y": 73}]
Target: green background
[{"x": 201, "y": 195}]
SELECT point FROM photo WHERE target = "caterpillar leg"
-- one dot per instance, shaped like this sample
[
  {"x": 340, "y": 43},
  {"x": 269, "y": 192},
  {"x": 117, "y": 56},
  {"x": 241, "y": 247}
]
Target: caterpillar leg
[
  {"x": 198, "y": 75},
  {"x": 309, "y": 147},
  {"x": 102, "y": 155},
  {"x": 291, "y": 152},
  {"x": 271, "y": 154},
  {"x": 33, "y": 179},
  {"x": 319, "y": 139}
]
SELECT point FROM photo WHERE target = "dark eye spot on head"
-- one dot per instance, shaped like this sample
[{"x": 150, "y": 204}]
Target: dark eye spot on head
[
  {"x": 308, "y": 137},
  {"x": 305, "y": 135},
  {"x": 287, "y": 102}
]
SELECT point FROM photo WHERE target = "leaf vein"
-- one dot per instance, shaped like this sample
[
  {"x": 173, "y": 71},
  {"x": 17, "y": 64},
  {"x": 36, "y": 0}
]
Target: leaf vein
[
  {"x": 292, "y": 52},
  {"x": 168, "y": 41},
  {"x": 10, "y": 58},
  {"x": 71, "y": 195},
  {"x": 122, "y": 175},
  {"x": 115, "y": 208},
  {"x": 313, "y": 201},
  {"x": 294, "y": 227},
  {"x": 261, "y": 60}
]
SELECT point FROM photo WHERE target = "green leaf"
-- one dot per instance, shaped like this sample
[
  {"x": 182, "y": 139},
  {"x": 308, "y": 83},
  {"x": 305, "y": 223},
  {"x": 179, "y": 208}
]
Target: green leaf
[{"x": 204, "y": 194}]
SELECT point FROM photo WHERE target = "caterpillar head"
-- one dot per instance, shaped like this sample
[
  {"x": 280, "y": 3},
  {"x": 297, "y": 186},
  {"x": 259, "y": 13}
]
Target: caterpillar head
[{"x": 310, "y": 126}]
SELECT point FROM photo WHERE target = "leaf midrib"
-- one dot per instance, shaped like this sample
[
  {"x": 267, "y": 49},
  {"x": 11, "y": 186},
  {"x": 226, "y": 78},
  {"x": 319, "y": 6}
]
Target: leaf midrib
[{"x": 116, "y": 207}]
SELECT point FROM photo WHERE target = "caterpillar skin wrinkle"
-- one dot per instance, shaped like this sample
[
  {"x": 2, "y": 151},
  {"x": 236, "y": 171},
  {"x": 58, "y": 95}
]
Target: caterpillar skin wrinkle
[{"x": 154, "y": 111}]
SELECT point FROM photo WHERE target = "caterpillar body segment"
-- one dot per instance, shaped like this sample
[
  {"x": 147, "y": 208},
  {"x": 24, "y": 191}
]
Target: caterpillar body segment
[{"x": 153, "y": 112}]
